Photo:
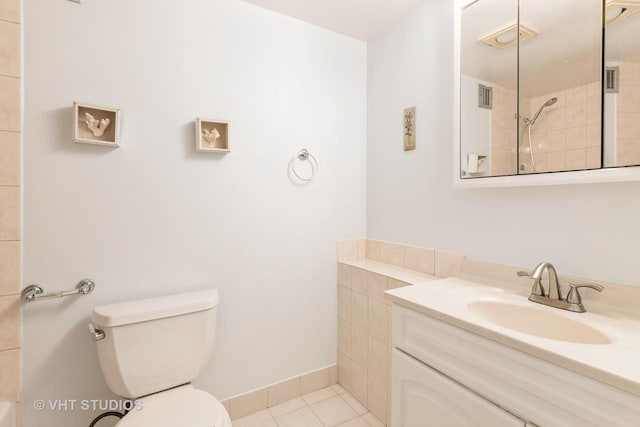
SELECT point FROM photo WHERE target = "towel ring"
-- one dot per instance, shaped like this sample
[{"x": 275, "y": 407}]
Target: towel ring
[{"x": 304, "y": 155}]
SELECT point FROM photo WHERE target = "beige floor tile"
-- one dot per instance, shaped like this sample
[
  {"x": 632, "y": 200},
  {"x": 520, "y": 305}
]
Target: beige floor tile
[
  {"x": 287, "y": 407},
  {"x": 338, "y": 389},
  {"x": 319, "y": 396},
  {"x": 373, "y": 421},
  {"x": 254, "y": 420},
  {"x": 355, "y": 405},
  {"x": 301, "y": 418},
  {"x": 271, "y": 423},
  {"x": 333, "y": 411},
  {"x": 356, "y": 422}
]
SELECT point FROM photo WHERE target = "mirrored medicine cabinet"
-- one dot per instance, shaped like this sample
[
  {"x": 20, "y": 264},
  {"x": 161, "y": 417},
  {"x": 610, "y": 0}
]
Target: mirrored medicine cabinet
[{"x": 548, "y": 91}]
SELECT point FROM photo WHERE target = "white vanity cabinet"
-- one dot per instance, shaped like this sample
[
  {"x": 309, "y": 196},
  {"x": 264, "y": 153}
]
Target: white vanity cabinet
[
  {"x": 423, "y": 397},
  {"x": 444, "y": 375}
]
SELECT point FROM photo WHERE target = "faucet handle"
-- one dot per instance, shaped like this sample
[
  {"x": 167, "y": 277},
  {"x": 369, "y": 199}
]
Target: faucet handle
[
  {"x": 573, "y": 296},
  {"x": 537, "y": 285}
]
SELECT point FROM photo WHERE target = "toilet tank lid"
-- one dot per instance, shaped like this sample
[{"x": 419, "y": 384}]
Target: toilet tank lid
[{"x": 143, "y": 310}]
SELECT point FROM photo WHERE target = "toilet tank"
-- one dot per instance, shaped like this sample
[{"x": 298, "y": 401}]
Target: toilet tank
[{"x": 154, "y": 344}]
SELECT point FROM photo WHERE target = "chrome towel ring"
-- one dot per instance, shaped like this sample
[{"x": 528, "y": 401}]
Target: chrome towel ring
[{"x": 303, "y": 156}]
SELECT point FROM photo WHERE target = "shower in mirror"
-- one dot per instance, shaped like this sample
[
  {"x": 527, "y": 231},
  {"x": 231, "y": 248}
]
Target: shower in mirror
[
  {"x": 530, "y": 87},
  {"x": 529, "y": 123}
]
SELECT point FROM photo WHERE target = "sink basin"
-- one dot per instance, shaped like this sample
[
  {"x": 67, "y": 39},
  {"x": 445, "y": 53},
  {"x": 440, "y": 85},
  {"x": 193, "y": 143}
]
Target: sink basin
[{"x": 541, "y": 323}]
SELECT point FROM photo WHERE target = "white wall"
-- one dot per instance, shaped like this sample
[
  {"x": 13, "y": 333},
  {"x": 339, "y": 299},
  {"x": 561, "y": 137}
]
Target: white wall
[
  {"x": 154, "y": 217},
  {"x": 589, "y": 230}
]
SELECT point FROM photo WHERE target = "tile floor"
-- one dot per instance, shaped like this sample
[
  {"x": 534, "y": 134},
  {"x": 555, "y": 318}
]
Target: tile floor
[{"x": 329, "y": 407}]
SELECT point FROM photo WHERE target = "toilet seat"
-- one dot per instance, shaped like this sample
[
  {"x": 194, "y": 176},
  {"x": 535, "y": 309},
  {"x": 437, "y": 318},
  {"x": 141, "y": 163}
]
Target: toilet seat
[{"x": 180, "y": 406}]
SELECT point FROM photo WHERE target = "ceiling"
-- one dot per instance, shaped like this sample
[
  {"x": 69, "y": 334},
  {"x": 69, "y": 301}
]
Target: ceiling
[
  {"x": 359, "y": 19},
  {"x": 566, "y": 52}
]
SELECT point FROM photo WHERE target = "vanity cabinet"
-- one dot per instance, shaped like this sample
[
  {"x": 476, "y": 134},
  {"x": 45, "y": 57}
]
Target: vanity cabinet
[
  {"x": 460, "y": 378},
  {"x": 423, "y": 397}
]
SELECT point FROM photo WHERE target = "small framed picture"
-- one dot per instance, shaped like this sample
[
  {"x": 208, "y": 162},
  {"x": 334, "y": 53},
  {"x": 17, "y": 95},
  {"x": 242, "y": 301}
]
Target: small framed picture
[
  {"x": 212, "y": 135},
  {"x": 409, "y": 120},
  {"x": 96, "y": 125}
]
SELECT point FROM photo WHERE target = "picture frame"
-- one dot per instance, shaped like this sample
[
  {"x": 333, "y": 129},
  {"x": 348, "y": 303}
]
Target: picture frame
[
  {"x": 96, "y": 125},
  {"x": 409, "y": 126},
  {"x": 212, "y": 135}
]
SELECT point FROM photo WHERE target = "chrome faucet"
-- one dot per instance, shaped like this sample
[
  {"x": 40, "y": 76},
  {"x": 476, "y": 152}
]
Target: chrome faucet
[{"x": 553, "y": 296}]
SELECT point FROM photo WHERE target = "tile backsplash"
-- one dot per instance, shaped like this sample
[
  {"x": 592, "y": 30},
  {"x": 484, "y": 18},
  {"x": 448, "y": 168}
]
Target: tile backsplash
[
  {"x": 10, "y": 216},
  {"x": 364, "y": 315}
]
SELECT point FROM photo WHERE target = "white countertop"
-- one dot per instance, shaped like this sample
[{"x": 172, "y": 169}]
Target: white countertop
[{"x": 616, "y": 364}]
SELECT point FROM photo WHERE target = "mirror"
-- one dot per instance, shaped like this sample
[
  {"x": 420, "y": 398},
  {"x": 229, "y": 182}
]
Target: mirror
[
  {"x": 622, "y": 84},
  {"x": 530, "y": 100}
]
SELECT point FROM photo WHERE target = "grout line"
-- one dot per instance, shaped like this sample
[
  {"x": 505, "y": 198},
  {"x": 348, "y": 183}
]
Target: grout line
[{"x": 10, "y": 21}]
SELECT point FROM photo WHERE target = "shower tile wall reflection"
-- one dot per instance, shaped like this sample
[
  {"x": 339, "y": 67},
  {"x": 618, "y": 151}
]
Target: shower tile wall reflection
[
  {"x": 566, "y": 135},
  {"x": 628, "y": 116},
  {"x": 504, "y": 129}
]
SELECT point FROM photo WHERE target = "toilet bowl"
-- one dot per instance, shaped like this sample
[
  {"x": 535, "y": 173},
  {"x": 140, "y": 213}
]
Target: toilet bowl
[{"x": 151, "y": 349}]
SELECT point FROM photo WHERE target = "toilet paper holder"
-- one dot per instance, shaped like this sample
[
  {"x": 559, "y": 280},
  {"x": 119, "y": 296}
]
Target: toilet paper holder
[{"x": 474, "y": 161}]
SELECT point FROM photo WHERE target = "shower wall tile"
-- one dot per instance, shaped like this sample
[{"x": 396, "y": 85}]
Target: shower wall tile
[
  {"x": 593, "y": 157},
  {"x": 576, "y": 137},
  {"x": 556, "y": 140},
  {"x": 576, "y": 95},
  {"x": 562, "y": 129},
  {"x": 9, "y": 158},
  {"x": 575, "y": 159},
  {"x": 594, "y": 90},
  {"x": 10, "y": 10},
  {"x": 10, "y": 321},
  {"x": 628, "y": 126},
  {"x": 629, "y": 74},
  {"x": 9, "y": 49},
  {"x": 10, "y": 268},
  {"x": 10, "y": 200},
  {"x": 594, "y": 111},
  {"x": 594, "y": 135},
  {"x": 541, "y": 162},
  {"x": 576, "y": 115},
  {"x": 9, "y": 104},
  {"x": 10, "y": 374},
  {"x": 628, "y": 116},
  {"x": 9, "y": 213},
  {"x": 555, "y": 161}
]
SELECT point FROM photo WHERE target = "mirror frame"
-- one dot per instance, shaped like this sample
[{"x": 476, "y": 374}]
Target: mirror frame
[{"x": 604, "y": 174}]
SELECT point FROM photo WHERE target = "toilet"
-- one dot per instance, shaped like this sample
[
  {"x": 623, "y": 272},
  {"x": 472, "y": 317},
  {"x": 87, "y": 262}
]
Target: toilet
[{"x": 151, "y": 349}]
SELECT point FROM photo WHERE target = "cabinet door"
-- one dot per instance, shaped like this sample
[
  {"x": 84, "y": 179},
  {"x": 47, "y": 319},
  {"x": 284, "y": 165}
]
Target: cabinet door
[{"x": 422, "y": 397}]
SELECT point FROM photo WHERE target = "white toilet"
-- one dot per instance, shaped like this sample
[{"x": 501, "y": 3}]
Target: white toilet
[{"x": 151, "y": 349}]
